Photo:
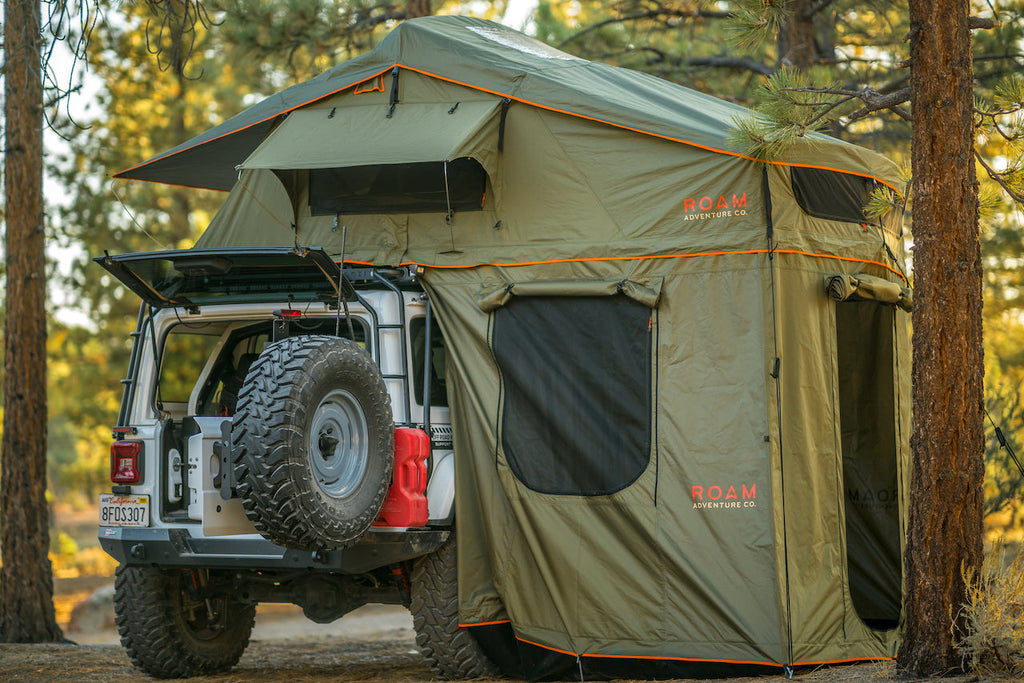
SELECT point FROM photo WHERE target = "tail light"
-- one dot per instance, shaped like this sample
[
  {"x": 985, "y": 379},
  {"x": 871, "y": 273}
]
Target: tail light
[{"x": 126, "y": 462}]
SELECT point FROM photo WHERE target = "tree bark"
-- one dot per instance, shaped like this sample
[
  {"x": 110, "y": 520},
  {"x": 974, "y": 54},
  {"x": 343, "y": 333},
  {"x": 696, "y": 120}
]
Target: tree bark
[
  {"x": 947, "y": 443},
  {"x": 418, "y": 8},
  {"x": 26, "y": 582},
  {"x": 797, "y": 45}
]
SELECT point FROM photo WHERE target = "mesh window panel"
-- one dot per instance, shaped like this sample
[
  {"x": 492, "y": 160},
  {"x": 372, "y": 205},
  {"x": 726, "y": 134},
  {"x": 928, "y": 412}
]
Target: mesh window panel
[
  {"x": 398, "y": 188},
  {"x": 576, "y": 375},
  {"x": 831, "y": 195},
  {"x": 867, "y": 415}
]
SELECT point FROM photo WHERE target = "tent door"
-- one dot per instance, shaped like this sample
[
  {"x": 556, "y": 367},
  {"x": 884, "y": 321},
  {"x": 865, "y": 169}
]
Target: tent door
[{"x": 867, "y": 421}]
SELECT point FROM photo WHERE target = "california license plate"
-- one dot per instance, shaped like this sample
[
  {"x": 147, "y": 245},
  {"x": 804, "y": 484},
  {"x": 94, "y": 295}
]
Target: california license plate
[{"x": 121, "y": 510}]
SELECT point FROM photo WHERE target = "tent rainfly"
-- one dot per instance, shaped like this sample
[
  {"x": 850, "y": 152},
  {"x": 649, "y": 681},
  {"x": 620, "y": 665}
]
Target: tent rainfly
[{"x": 678, "y": 376}]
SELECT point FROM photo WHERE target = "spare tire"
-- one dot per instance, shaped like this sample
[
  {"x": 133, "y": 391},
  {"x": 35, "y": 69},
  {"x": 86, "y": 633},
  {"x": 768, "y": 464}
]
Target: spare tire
[{"x": 312, "y": 442}]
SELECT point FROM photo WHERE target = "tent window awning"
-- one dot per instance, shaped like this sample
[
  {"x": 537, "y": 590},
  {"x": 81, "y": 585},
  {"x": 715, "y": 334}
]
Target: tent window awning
[
  {"x": 338, "y": 136},
  {"x": 495, "y": 295}
]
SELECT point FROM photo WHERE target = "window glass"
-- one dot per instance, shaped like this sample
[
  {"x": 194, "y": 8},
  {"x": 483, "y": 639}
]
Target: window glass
[
  {"x": 438, "y": 385},
  {"x": 576, "y": 381},
  {"x": 185, "y": 353},
  {"x": 187, "y": 350}
]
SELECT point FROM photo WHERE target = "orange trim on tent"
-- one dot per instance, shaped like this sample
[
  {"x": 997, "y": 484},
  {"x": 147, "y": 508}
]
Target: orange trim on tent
[
  {"x": 648, "y": 657},
  {"x": 524, "y": 101},
  {"x": 254, "y": 123},
  {"x": 378, "y": 85},
  {"x": 679, "y": 659},
  {"x": 662, "y": 256},
  {"x": 657, "y": 135}
]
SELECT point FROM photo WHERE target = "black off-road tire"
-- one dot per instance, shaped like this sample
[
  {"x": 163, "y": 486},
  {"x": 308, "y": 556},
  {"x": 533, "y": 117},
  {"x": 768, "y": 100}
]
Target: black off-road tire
[
  {"x": 451, "y": 652},
  {"x": 312, "y": 442},
  {"x": 167, "y": 634}
]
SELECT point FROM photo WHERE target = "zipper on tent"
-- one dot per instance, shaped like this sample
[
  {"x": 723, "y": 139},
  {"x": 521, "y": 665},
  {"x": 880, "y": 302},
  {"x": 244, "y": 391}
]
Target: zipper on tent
[
  {"x": 393, "y": 98},
  {"x": 775, "y": 375}
]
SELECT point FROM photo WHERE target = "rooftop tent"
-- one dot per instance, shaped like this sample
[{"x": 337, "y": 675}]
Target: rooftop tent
[
  {"x": 679, "y": 378},
  {"x": 491, "y": 58}
]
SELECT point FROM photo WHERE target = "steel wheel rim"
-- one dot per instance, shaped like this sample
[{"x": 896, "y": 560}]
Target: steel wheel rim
[{"x": 338, "y": 444}]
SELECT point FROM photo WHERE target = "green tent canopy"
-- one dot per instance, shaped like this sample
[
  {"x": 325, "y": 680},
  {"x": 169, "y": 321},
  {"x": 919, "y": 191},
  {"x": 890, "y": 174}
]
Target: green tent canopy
[
  {"x": 491, "y": 58},
  {"x": 678, "y": 377}
]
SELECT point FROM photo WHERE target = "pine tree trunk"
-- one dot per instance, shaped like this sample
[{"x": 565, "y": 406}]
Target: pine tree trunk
[
  {"x": 947, "y": 442},
  {"x": 26, "y": 583},
  {"x": 418, "y": 8},
  {"x": 797, "y": 37}
]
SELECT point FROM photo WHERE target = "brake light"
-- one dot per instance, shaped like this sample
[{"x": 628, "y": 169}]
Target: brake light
[
  {"x": 126, "y": 462},
  {"x": 288, "y": 314}
]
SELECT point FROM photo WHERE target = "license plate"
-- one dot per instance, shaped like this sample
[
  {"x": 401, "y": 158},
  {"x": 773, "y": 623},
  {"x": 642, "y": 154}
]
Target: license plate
[{"x": 117, "y": 510}]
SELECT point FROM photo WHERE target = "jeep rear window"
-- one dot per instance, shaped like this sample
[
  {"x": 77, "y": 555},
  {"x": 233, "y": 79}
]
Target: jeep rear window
[
  {"x": 184, "y": 356},
  {"x": 438, "y": 387}
]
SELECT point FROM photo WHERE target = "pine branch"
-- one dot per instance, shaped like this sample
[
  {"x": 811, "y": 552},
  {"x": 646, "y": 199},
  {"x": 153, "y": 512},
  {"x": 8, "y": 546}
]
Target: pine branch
[
  {"x": 661, "y": 13},
  {"x": 999, "y": 178},
  {"x": 982, "y": 23},
  {"x": 873, "y": 100},
  {"x": 753, "y": 21},
  {"x": 740, "y": 63},
  {"x": 737, "y": 63},
  {"x": 876, "y": 101}
]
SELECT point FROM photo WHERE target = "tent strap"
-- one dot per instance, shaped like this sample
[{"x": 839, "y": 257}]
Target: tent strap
[
  {"x": 501, "y": 123},
  {"x": 393, "y": 98}
]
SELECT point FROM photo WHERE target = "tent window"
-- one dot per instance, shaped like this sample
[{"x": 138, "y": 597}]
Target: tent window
[
  {"x": 576, "y": 376},
  {"x": 426, "y": 187},
  {"x": 831, "y": 195},
  {"x": 867, "y": 415}
]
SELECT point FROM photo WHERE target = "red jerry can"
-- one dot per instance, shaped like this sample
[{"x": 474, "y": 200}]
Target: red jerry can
[{"x": 406, "y": 502}]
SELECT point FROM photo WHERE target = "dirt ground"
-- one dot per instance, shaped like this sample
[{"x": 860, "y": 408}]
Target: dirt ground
[
  {"x": 374, "y": 644},
  {"x": 378, "y": 659}
]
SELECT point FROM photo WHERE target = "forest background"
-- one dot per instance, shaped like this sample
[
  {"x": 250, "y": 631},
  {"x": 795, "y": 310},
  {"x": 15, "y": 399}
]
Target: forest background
[{"x": 126, "y": 105}]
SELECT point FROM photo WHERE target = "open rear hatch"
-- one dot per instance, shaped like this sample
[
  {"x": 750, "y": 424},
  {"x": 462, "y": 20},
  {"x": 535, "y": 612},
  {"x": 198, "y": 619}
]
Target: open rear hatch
[{"x": 191, "y": 278}]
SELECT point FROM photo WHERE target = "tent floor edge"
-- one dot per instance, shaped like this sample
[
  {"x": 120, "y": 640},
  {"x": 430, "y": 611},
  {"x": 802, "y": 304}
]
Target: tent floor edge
[{"x": 530, "y": 662}]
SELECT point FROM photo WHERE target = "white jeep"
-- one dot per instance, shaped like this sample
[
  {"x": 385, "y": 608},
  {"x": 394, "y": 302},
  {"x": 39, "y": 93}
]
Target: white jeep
[{"x": 284, "y": 436}]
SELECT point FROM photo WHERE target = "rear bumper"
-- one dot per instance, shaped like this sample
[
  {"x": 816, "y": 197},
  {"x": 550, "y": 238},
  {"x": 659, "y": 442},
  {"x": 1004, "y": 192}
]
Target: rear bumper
[{"x": 178, "y": 548}]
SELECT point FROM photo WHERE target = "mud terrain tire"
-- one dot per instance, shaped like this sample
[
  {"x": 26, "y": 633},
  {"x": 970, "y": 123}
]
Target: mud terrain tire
[
  {"x": 451, "y": 652},
  {"x": 312, "y": 442},
  {"x": 168, "y": 634}
]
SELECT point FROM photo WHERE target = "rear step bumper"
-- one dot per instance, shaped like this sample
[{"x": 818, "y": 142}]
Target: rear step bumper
[{"x": 178, "y": 548}]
